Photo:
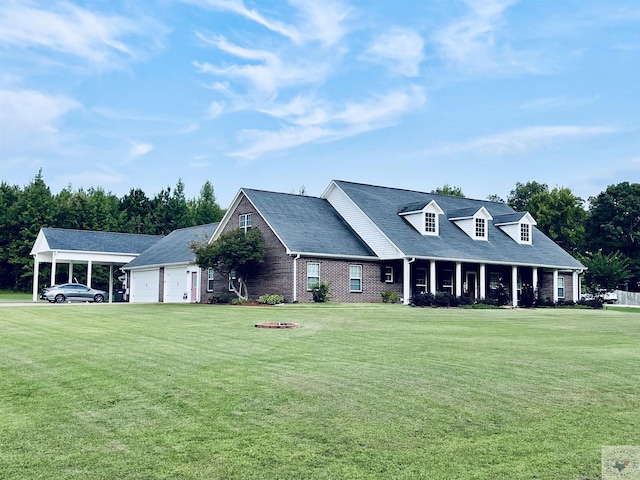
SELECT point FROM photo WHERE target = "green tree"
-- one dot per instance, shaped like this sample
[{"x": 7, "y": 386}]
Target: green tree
[
  {"x": 9, "y": 231},
  {"x": 521, "y": 197},
  {"x": 613, "y": 224},
  {"x": 236, "y": 254},
  {"x": 494, "y": 197},
  {"x": 136, "y": 213},
  {"x": 205, "y": 209},
  {"x": 447, "y": 189},
  {"x": 34, "y": 210},
  {"x": 605, "y": 273},
  {"x": 559, "y": 213}
]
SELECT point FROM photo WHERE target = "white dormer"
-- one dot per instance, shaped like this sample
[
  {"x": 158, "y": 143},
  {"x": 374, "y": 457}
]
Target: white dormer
[
  {"x": 473, "y": 221},
  {"x": 519, "y": 226},
  {"x": 424, "y": 218}
]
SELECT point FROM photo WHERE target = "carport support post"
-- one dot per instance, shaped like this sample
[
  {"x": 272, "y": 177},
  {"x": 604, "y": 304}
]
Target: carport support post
[
  {"x": 89, "y": 265},
  {"x": 53, "y": 268},
  {"x": 514, "y": 286},
  {"x": 70, "y": 272},
  {"x": 110, "y": 283},
  {"x": 36, "y": 274}
]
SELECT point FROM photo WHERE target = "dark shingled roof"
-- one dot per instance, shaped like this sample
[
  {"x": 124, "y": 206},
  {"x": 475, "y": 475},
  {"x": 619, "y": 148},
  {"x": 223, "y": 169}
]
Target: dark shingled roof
[
  {"x": 508, "y": 218},
  {"x": 381, "y": 205},
  {"x": 308, "y": 224},
  {"x": 174, "y": 248},
  {"x": 463, "y": 212},
  {"x": 92, "y": 241}
]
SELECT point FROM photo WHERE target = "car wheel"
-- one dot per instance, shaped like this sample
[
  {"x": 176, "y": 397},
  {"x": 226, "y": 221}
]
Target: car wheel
[
  {"x": 98, "y": 298},
  {"x": 59, "y": 298}
]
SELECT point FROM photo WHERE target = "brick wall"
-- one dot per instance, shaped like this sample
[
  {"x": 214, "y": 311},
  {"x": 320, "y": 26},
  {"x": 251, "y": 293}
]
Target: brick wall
[
  {"x": 546, "y": 285},
  {"x": 276, "y": 273},
  {"x": 336, "y": 273}
]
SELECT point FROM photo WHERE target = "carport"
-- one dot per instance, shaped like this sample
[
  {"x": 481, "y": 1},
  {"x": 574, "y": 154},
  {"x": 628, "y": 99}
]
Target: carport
[{"x": 84, "y": 247}]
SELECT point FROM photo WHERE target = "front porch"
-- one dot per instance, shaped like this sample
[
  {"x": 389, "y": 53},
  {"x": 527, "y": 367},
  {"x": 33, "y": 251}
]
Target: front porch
[{"x": 479, "y": 281}]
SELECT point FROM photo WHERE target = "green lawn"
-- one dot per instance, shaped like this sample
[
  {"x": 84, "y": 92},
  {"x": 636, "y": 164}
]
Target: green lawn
[
  {"x": 9, "y": 296},
  {"x": 358, "y": 392}
]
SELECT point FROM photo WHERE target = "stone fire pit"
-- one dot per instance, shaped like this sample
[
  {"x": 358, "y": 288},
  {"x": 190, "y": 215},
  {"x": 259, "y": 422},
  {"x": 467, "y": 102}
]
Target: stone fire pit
[{"x": 277, "y": 325}]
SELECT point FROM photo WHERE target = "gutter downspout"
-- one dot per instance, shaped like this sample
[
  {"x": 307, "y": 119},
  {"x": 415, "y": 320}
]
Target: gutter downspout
[
  {"x": 295, "y": 278},
  {"x": 406, "y": 280}
]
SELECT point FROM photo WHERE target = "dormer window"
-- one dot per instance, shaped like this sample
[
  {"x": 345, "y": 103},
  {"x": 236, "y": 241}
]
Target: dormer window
[
  {"x": 472, "y": 221},
  {"x": 423, "y": 216},
  {"x": 430, "y": 222},
  {"x": 517, "y": 225},
  {"x": 481, "y": 228}
]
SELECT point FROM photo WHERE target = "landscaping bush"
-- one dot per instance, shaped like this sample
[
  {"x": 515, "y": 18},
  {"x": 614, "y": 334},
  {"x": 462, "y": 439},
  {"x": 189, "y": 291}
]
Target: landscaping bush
[
  {"x": 225, "y": 298},
  {"x": 463, "y": 301},
  {"x": 527, "y": 297},
  {"x": 321, "y": 292},
  {"x": 444, "y": 299},
  {"x": 271, "y": 299},
  {"x": 422, "y": 300},
  {"x": 390, "y": 297}
]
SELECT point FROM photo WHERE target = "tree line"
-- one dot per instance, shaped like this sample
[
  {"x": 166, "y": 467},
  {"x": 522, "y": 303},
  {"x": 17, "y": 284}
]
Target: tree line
[
  {"x": 604, "y": 228},
  {"x": 24, "y": 211}
]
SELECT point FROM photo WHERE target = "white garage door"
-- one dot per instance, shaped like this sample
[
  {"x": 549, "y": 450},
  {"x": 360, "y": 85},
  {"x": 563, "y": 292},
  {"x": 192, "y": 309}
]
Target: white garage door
[
  {"x": 144, "y": 286},
  {"x": 175, "y": 284}
]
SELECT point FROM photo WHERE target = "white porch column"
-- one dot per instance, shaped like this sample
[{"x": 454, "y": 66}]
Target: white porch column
[
  {"x": 514, "y": 286},
  {"x": 36, "y": 274},
  {"x": 432, "y": 277},
  {"x": 534, "y": 281},
  {"x": 406, "y": 280},
  {"x": 53, "y": 268},
  {"x": 110, "y": 283},
  {"x": 89, "y": 265},
  {"x": 555, "y": 286},
  {"x": 483, "y": 281},
  {"x": 70, "y": 272},
  {"x": 458, "y": 279},
  {"x": 576, "y": 286}
]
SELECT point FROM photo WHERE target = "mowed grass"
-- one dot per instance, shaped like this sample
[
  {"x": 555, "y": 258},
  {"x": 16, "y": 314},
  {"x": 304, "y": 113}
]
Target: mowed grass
[{"x": 358, "y": 392}]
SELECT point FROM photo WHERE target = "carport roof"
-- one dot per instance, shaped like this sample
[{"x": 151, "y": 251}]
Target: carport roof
[{"x": 62, "y": 239}]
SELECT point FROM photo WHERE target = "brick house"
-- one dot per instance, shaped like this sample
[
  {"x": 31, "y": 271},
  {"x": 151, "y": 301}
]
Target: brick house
[{"x": 366, "y": 239}]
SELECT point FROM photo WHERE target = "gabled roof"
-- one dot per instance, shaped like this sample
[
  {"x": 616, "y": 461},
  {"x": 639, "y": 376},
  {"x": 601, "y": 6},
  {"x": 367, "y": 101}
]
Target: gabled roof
[
  {"x": 174, "y": 248},
  {"x": 381, "y": 205},
  {"x": 308, "y": 225},
  {"x": 515, "y": 217},
  {"x": 92, "y": 241}
]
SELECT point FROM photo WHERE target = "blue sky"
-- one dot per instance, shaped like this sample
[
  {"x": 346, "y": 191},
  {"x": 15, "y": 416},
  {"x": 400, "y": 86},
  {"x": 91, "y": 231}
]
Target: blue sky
[{"x": 274, "y": 95}]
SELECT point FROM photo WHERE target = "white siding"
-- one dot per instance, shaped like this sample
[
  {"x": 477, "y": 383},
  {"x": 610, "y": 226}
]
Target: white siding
[
  {"x": 416, "y": 220},
  {"x": 145, "y": 285},
  {"x": 513, "y": 230},
  {"x": 468, "y": 226},
  {"x": 176, "y": 284},
  {"x": 362, "y": 224}
]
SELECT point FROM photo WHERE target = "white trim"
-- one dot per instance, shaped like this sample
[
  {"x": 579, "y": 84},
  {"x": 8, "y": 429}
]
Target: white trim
[
  {"x": 338, "y": 257},
  {"x": 356, "y": 278}
]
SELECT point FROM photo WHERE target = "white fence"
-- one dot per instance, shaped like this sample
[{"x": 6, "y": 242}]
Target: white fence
[{"x": 627, "y": 298}]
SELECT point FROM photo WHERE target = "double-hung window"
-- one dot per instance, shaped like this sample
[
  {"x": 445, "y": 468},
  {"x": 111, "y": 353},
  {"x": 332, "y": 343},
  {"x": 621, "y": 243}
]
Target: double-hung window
[
  {"x": 245, "y": 222},
  {"x": 210, "y": 274},
  {"x": 481, "y": 228},
  {"x": 430, "y": 224},
  {"x": 494, "y": 280},
  {"x": 447, "y": 281},
  {"x": 388, "y": 274},
  {"x": 560, "y": 287},
  {"x": 355, "y": 278},
  {"x": 313, "y": 275}
]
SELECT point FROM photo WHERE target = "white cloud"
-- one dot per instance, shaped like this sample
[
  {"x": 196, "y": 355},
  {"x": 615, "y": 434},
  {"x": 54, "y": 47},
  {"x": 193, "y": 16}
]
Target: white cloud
[
  {"x": 268, "y": 73},
  {"x": 32, "y": 115},
  {"x": 320, "y": 20},
  {"x": 400, "y": 49},
  {"x": 322, "y": 125},
  {"x": 521, "y": 140},
  {"x": 473, "y": 44},
  {"x": 215, "y": 109},
  {"x": 72, "y": 30},
  {"x": 139, "y": 149}
]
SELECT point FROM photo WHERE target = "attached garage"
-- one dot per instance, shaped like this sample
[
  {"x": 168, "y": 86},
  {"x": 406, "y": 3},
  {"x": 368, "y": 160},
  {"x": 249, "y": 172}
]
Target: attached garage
[
  {"x": 166, "y": 272},
  {"x": 144, "y": 286}
]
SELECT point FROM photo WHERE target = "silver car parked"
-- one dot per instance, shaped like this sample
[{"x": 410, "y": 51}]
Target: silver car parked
[{"x": 74, "y": 292}]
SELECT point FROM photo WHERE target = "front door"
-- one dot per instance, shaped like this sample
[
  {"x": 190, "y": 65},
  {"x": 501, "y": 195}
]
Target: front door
[
  {"x": 472, "y": 285},
  {"x": 194, "y": 287}
]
